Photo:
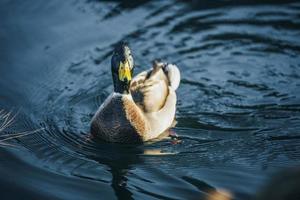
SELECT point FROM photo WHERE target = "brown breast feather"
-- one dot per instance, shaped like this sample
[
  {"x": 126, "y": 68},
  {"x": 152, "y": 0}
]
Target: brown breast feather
[
  {"x": 118, "y": 121},
  {"x": 135, "y": 117}
]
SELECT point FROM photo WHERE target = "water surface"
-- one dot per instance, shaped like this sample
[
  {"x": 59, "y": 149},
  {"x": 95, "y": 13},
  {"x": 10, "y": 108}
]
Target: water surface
[{"x": 238, "y": 103}]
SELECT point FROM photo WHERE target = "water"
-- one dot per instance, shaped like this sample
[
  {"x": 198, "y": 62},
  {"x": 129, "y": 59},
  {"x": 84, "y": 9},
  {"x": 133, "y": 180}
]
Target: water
[{"x": 238, "y": 103}]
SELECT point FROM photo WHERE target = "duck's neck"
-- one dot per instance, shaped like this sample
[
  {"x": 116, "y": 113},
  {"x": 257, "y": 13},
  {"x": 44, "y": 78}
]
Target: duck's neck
[
  {"x": 121, "y": 90},
  {"x": 120, "y": 87}
]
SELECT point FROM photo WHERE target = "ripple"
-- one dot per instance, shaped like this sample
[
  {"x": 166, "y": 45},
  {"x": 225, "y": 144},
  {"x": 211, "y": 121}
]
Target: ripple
[{"x": 238, "y": 106}]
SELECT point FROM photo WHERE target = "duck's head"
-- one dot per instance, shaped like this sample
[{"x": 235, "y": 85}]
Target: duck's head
[{"x": 122, "y": 67}]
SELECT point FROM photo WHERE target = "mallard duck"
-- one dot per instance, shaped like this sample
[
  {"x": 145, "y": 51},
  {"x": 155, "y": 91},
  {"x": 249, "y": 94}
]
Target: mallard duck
[{"x": 140, "y": 108}]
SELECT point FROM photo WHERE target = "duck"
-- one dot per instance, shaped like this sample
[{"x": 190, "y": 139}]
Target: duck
[{"x": 140, "y": 108}]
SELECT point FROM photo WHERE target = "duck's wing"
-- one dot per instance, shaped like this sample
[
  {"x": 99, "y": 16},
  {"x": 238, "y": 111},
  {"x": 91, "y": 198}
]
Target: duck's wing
[
  {"x": 149, "y": 125},
  {"x": 137, "y": 86},
  {"x": 163, "y": 119},
  {"x": 149, "y": 90}
]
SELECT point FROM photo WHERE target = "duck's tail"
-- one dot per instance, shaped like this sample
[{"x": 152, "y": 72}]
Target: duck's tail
[{"x": 173, "y": 74}]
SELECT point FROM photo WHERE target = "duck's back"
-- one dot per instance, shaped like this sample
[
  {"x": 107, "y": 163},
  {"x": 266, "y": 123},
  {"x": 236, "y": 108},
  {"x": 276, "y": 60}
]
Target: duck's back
[{"x": 110, "y": 122}]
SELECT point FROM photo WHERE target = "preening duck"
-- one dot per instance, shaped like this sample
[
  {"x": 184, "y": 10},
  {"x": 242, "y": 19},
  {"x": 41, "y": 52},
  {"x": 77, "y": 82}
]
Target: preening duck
[{"x": 141, "y": 108}]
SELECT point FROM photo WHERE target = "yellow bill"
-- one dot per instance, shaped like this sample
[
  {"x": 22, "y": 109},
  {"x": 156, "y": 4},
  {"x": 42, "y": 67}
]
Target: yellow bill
[{"x": 124, "y": 71}]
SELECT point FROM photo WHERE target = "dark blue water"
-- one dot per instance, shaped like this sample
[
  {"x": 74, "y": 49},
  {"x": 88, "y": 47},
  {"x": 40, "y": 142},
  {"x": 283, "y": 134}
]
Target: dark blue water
[{"x": 238, "y": 103}]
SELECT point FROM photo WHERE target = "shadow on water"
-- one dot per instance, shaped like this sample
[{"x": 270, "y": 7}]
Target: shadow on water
[
  {"x": 120, "y": 159},
  {"x": 238, "y": 107}
]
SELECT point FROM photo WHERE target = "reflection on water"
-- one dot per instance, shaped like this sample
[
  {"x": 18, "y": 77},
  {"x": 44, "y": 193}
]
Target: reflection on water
[{"x": 238, "y": 103}]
